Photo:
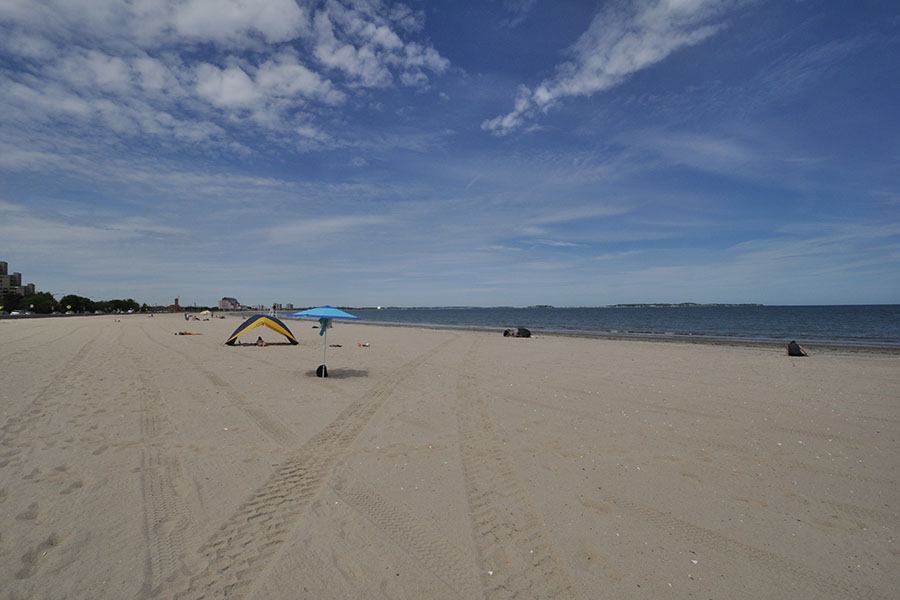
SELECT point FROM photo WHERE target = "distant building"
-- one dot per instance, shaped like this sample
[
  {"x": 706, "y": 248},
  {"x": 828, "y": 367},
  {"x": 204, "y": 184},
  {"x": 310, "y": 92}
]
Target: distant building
[
  {"x": 288, "y": 306},
  {"x": 11, "y": 283},
  {"x": 276, "y": 306},
  {"x": 227, "y": 303}
]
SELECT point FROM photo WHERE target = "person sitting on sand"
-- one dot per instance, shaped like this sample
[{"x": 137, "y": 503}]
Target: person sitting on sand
[
  {"x": 261, "y": 342},
  {"x": 795, "y": 349}
]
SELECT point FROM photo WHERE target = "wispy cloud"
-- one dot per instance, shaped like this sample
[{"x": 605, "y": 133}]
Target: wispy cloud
[
  {"x": 26, "y": 231},
  {"x": 318, "y": 227},
  {"x": 581, "y": 213},
  {"x": 518, "y": 11},
  {"x": 623, "y": 38}
]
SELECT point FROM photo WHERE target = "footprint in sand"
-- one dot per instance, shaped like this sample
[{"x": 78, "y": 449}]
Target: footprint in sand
[
  {"x": 30, "y": 514},
  {"x": 31, "y": 558},
  {"x": 72, "y": 487}
]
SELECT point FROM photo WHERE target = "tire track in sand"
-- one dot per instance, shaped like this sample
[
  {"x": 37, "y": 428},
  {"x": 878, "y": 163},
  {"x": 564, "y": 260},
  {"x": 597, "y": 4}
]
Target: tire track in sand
[
  {"x": 242, "y": 548},
  {"x": 166, "y": 515},
  {"x": 68, "y": 377},
  {"x": 446, "y": 562},
  {"x": 274, "y": 429},
  {"x": 44, "y": 343},
  {"x": 515, "y": 558}
]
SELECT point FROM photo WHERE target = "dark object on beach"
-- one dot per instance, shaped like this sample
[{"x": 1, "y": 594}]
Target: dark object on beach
[
  {"x": 321, "y": 371},
  {"x": 517, "y": 332},
  {"x": 795, "y": 349},
  {"x": 335, "y": 346}
]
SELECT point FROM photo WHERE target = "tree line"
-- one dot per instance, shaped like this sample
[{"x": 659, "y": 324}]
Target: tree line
[{"x": 44, "y": 303}]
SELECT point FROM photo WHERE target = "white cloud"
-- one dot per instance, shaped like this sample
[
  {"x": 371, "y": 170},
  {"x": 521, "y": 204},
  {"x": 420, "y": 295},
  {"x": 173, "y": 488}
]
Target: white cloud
[
  {"x": 151, "y": 73},
  {"x": 27, "y": 46},
  {"x": 155, "y": 23},
  {"x": 271, "y": 92},
  {"x": 358, "y": 40},
  {"x": 226, "y": 88},
  {"x": 227, "y": 20},
  {"x": 622, "y": 39},
  {"x": 284, "y": 76},
  {"x": 127, "y": 69},
  {"x": 361, "y": 64},
  {"x": 312, "y": 134}
]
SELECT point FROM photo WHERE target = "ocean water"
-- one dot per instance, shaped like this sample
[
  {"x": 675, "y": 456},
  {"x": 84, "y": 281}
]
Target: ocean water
[{"x": 870, "y": 325}]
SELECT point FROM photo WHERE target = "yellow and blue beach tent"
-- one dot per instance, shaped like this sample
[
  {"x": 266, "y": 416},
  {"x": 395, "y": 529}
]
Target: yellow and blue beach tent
[{"x": 261, "y": 321}]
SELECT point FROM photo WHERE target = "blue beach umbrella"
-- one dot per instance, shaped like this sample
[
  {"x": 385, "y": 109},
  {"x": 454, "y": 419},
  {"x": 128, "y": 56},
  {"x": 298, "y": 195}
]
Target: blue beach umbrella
[{"x": 324, "y": 314}]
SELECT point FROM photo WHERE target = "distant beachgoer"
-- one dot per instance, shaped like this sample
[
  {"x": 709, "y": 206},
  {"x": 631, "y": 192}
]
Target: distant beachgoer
[
  {"x": 261, "y": 342},
  {"x": 795, "y": 349},
  {"x": 520, "y": 332}
]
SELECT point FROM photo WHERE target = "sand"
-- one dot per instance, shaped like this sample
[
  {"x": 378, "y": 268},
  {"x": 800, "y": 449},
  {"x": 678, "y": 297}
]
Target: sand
[{"x": 439, "y": 464}]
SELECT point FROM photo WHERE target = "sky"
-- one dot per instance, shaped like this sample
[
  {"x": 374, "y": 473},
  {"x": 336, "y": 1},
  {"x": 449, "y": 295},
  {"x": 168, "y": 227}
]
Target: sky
[{"x": 505, "y": 152}]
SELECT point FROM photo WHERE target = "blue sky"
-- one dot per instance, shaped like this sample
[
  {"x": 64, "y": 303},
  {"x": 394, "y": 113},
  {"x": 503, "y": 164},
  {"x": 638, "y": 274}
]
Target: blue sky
[{"x": 511, "y": 152}]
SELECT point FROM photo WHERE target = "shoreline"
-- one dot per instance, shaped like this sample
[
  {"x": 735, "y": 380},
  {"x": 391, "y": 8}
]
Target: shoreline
[
  {"x": 825, "y": 346},
  {"x": 829, "y": 346}
]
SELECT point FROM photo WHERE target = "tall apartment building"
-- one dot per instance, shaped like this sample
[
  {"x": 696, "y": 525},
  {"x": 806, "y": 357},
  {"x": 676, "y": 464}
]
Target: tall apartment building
[{"x": 11, "y": 283}]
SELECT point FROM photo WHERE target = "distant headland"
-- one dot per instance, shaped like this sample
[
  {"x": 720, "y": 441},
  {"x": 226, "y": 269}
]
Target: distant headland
[{"x": 680, "y": 305}]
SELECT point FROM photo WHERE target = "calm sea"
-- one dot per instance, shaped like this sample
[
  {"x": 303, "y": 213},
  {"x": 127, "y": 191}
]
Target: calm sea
[{"x": 871, "y": 325}]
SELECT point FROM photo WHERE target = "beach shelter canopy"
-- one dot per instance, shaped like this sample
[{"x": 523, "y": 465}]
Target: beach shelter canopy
[{"x": 261, "y": 321}]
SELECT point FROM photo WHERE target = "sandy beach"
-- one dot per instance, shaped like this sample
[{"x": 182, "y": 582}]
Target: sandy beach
[{"x": 439, "y": 464}]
